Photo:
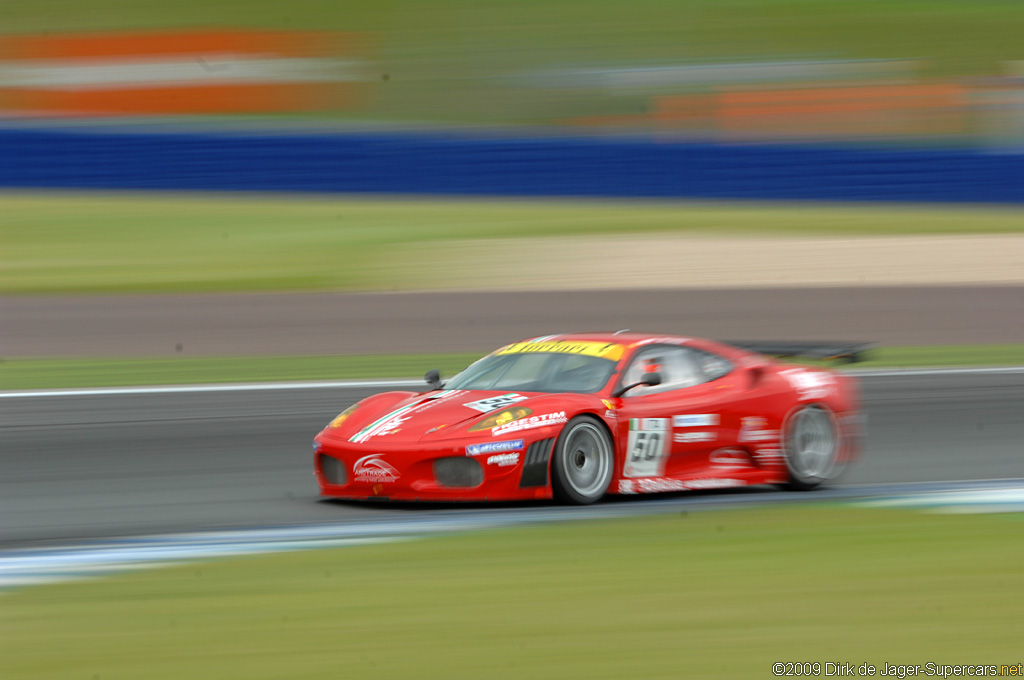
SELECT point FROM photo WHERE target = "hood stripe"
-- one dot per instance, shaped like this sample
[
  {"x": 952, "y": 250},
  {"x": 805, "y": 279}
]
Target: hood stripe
[{"x": 394, "y": 417}]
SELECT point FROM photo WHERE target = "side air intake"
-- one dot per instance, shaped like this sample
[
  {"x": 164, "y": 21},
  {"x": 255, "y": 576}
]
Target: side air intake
[{"x": 535, "y": 467}]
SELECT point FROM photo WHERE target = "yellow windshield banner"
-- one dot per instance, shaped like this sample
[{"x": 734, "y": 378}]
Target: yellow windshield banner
[{"x": 602, "y": 350}]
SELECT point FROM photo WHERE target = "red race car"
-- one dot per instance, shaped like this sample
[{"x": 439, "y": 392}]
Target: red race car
[{"x": 577, "y": 416}]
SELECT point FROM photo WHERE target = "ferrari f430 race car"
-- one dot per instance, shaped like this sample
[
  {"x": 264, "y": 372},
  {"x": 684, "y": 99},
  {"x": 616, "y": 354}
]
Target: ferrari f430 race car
[{"x": 578, "y": 416}]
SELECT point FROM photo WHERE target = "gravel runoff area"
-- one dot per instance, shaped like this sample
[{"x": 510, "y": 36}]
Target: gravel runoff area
[{"x": 695, "y": 261}]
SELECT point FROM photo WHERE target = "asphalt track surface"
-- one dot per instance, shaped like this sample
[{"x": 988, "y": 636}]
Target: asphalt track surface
[
  {"x": 382, "y": 323},
  {"x": 84, "y": 467}
]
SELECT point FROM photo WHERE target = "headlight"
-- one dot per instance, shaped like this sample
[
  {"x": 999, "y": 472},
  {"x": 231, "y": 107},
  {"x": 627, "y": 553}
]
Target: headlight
[
  {"x": 507, "y": 416},
  {"x": 342, "y": 417}
]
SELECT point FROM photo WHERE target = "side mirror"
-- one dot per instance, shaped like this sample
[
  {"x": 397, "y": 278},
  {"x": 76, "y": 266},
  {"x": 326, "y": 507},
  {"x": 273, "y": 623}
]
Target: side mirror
[
  {"x": 433, "y": 378},
  {"x": 651, "y": 379}
]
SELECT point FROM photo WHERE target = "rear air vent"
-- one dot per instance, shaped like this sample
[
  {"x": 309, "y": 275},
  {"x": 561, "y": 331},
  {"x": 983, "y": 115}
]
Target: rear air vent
[
  {"x": 333, "y": 470},
  {"x": 458, "y": 472}
]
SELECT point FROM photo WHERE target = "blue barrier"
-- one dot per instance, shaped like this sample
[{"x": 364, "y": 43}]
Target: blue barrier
[{"x": 439, "y": 163}]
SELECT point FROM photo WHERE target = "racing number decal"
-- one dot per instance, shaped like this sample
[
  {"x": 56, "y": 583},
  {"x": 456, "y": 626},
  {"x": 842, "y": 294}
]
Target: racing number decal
[
  {"x": 494, "y": 403},
  {"x": 645, "y": 449},
  {"x": 645, "y": 446}
]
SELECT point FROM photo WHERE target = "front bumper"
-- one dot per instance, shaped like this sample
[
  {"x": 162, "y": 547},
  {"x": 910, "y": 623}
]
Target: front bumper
[{"x": 432, "y": 472}]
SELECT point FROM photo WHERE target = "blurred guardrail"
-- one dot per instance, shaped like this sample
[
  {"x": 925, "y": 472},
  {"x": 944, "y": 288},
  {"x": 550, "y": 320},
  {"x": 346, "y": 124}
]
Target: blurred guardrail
[{"x": 464, "y": 164}]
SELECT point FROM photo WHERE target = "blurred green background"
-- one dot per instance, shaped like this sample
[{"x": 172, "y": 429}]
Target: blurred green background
[{"x": 541, "y": 62}]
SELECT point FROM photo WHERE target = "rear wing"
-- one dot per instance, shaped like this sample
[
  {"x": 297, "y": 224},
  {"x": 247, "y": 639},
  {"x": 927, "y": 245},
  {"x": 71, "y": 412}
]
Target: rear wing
[{"x": 843, "y": 352}]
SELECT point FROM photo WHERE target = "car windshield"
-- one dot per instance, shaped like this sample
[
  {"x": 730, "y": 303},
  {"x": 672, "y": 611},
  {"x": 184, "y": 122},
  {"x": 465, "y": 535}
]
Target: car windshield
[{"x": 535, "y": 372}]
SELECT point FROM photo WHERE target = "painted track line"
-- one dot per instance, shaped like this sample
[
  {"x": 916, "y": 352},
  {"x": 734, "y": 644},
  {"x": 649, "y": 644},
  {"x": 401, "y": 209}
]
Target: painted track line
[
  {"x": 21, "y": 567},
  {"x": 414, "y": 382},
  {"x": 952, "y": 370},
  {"x": 217, "y": 387}
]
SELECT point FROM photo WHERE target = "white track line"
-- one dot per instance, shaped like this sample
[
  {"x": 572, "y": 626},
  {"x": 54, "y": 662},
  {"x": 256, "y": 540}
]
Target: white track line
[
  {"x": 413, "y": 382},
  {"x": 220, "y": 387},
  {"x": 959, "y": 370}
]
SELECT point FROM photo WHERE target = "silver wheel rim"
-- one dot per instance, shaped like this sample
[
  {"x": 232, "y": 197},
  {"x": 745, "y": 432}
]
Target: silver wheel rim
[
  {"x": 812, "y": 444},
  {"x": 586, "y": 459}
]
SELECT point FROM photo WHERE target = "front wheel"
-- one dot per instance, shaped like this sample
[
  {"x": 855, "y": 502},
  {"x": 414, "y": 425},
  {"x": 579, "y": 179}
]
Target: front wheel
[
  {"x": 811, "y": 445},
  {"x": 583, "y": 461}
]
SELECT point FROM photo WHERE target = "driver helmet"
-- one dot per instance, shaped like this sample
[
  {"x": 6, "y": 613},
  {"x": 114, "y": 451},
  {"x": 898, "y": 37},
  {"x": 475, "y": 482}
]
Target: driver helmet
[{"x": 652, "y": 364}]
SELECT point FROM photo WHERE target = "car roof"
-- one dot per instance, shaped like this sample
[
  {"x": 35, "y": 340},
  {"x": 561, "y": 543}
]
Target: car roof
[{"x": 627, "y": 338}]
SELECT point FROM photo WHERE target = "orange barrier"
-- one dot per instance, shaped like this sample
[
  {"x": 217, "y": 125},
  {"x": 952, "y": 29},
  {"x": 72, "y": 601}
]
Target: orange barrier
[
  {"x": 831, "y": 110},
  {"x": 179, "y": 72}
]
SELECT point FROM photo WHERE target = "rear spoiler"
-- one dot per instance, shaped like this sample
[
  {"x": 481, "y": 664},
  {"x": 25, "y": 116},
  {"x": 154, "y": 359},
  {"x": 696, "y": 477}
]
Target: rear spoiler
[{"x": 843, "y": 352}]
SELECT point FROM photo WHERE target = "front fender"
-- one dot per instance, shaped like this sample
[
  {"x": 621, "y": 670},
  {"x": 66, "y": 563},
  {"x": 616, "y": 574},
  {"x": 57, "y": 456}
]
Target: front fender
[{"x": 367, "y": 410}]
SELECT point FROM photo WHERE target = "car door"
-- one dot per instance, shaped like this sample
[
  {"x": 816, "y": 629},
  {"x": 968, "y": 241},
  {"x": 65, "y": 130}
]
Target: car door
[{"x": 672, "y": 429}]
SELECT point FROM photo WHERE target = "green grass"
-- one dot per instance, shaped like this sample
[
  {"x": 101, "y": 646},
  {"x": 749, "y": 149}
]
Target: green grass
[
  {"x": 707, "y": 594},
  {"x": 33, "y": 373},
  {"x": 450, "y": 59},
  {"x": 52, "y": 373},
  {"x": 68, "y": 242}
]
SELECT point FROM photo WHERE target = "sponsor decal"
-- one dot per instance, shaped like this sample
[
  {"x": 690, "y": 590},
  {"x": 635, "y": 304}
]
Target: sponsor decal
[
  {"x": 611, "y": 414},
  {"x": 648, "y": 424},
  {"x": 602, "y": 350},
  {"x": 391, "y": 423},
  {"x": 693, "y": 437},
  {"x": 695, "y": 420},
  {"x": 729, "y": 458},
  {"x": 530, "y": 423},
  {"x": 768, "y": 455},
  {"x": 809, "y": 384},
  {"x": 755, "y": 429},
  {"x": 494, "y": 403},
  {"x": 503, "y": 459},
  {"x": 374, "y": 469},
  {"x": 494, "y": 447},
  {"x": 665, "y": 484},
  {"x": 646, "y": 447},
  {"x": 608, "y": 404},
  {"x": 316, "y": 446},
  {"x": 713, "y": 483}
]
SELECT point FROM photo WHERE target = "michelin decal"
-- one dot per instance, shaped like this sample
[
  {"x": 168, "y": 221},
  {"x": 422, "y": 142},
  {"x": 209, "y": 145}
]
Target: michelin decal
[{"x": 494, "y": 447}]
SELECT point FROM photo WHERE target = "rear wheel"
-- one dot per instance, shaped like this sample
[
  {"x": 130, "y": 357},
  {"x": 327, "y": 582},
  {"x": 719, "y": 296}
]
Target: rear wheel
[
  {"x": 583, "y": 460},
  {"x": 811, "y": 445}
]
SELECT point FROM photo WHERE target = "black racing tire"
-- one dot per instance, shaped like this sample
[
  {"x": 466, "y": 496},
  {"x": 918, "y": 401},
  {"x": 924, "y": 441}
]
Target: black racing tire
[
  {"x": 583, "y": 462},
  {"x": 811, "y": 445}
]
